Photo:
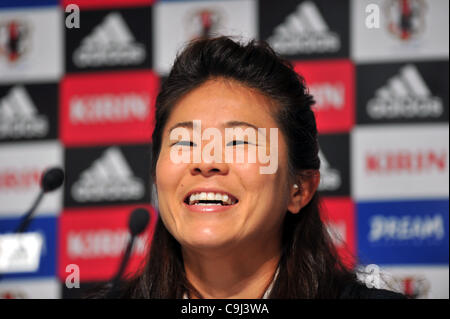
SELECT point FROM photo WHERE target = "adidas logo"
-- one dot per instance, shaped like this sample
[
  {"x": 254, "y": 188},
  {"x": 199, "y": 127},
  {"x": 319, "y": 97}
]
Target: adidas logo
[
  {"x": 404, "y": 96},
  {"x": 108, "y": 179},
  {"x": 19, "y": 117},
  {"x": 304, "y": 32},
  {"x": 110, "y": 43},
  {"x": 330, "y": 178}
]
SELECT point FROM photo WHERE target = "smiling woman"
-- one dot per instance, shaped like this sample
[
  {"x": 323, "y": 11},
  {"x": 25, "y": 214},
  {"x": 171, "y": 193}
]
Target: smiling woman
[{"x": 225, "y": 229}]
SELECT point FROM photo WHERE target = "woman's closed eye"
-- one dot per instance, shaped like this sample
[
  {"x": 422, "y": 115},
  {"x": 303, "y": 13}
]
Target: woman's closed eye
[
  {"x": 184, "y": 143},
  {"x": 232, "y": 143},
  {"x": 238, "y": 142}
]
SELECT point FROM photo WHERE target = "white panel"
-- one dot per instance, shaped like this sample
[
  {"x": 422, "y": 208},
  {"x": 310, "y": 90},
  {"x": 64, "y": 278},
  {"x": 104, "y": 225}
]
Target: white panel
[
  {"x": 377, "y": 44},
  {"x": 19, "y": 164},
  {"x": 428, "y": 282},
  {"x": 400, "y": 161},
  {"x": 30, "y": 289},
  {"x": 42, "y": 42},
  {"x": 175, "y": 24}
]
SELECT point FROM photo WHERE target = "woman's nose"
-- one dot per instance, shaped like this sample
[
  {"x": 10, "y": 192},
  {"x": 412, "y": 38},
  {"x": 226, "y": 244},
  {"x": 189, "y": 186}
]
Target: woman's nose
[{"x": 209, "y": 169}]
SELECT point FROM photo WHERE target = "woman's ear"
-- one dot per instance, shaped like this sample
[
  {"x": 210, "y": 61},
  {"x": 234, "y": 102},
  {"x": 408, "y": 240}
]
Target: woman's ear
[{"x": 302, "y": 192}]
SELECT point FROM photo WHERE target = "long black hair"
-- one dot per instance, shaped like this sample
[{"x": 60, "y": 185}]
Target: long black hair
[{"x": 309, "y": 266}]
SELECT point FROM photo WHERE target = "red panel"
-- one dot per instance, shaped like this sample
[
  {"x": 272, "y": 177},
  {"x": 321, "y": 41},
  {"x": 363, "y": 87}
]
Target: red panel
[
  {"x": 332, "y": 84},
  {"x": 95, "y": 239},
  {"x": 339, "y": 216},
  {"x": 108, "y": 108}
]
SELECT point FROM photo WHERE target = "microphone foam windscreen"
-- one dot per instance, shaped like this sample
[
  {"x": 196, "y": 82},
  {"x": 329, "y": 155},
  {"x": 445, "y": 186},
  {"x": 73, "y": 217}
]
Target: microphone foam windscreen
[
  {"x": 52, "y": 179},
  {"x": 139, "y": 219}
]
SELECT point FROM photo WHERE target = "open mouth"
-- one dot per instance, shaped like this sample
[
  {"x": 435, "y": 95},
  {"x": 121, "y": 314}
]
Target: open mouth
[{"x": 210, "y": 199}]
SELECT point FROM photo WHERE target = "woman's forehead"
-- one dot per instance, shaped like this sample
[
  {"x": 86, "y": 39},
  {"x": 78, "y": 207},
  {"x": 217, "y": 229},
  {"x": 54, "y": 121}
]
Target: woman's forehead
[{"x": 218, "y": 102}]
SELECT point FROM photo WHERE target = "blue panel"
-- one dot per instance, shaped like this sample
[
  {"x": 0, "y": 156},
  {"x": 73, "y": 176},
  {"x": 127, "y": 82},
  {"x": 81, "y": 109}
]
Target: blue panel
[
  {"x": 27, "y": 3},
  {"x": 48, "y": 227},
  {"x": 406, "y": 232}
]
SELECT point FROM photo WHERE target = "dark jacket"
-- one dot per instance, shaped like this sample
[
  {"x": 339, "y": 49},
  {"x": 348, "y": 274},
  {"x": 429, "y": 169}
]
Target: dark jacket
[{"x": 350, "y": 291}]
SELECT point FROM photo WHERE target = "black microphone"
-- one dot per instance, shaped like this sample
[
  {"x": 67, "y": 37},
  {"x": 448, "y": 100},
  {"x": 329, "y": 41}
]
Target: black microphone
[
  {"x": 51, "y": 179},
  {"x": 137, "y": 223}
]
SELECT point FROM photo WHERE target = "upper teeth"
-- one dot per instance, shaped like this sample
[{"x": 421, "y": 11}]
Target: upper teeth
[{"x": 224, "y": 198}]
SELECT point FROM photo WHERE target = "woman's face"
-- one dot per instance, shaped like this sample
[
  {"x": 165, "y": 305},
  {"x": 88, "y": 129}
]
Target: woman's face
[{"x": 257, "y": 202}]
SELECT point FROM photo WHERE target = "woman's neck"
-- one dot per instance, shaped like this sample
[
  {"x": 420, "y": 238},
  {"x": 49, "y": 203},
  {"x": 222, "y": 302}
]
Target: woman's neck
[{"x": 238, "y": 273}]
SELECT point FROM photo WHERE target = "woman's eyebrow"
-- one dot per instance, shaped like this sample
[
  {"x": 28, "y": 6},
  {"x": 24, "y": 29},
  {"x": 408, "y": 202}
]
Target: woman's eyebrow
[
  {"x": 187, "y": 124},
  {"x": 241, "y": 123},
  {"x": 190, "y": 125}
]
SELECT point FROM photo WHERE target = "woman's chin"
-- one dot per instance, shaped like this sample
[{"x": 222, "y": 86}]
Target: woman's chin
[{"x": 207, "y": 239}]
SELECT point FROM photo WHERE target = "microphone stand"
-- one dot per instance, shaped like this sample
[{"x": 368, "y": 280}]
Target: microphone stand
[
  {"x": 27, "y": 218},
  {"x": 115, "y": 282}
]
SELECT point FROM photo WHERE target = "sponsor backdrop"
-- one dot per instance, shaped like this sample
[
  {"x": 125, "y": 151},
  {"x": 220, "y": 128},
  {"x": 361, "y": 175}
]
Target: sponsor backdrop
[{"x": 83, "y": 98}]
